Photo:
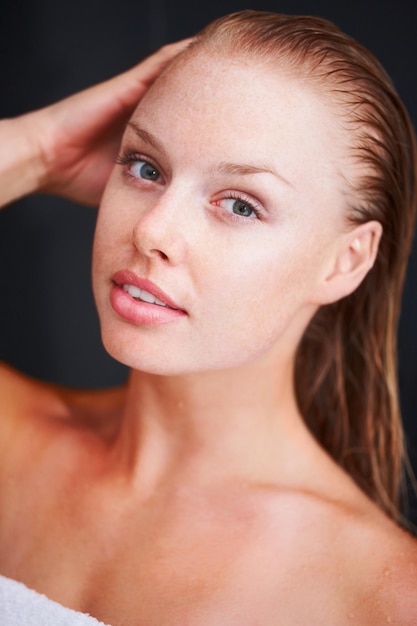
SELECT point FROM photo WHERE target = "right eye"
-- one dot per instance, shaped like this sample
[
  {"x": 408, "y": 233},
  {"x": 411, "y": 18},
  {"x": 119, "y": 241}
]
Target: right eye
[
  {"x": 143, "y": 169},
  {"x": 137, "y": 167}
]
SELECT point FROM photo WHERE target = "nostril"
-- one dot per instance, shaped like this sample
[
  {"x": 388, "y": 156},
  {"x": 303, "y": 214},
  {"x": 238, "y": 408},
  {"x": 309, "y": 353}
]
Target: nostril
[
  {"x": 163, "y": 256},
  {"x": 157, "y": 241}
]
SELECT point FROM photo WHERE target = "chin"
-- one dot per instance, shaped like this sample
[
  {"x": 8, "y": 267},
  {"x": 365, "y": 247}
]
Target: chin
[
  {"x": 151, "y": 355},
  {"x": 165, "y": 351},
  {"x": 154, "y": 350}
]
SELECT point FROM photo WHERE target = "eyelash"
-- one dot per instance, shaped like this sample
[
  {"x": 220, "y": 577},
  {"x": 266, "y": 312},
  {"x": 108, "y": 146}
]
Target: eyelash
[
  {"x": 241, "y": 197},
  {"x": 133, "y": 157},
  {"x": 127, "y": 158}
]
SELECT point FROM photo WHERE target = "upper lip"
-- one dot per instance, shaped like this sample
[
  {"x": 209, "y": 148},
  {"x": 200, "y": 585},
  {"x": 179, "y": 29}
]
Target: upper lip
[{"x": 127, "y": 277}]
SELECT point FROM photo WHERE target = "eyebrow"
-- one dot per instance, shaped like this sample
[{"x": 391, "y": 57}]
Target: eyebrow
[
  {"x": 245, "y": 170},
  {"x": 147, "y": 137},
  {"x": 223, "y": 168}
]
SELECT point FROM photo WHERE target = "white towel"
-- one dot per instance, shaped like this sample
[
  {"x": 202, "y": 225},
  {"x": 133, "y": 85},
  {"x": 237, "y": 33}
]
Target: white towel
[{"x": 21, "y": 606}]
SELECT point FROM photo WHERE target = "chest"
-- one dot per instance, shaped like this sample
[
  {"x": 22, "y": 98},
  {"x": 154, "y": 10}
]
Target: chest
[
  {"x": 187, "y": 559},
  {"x": 143, "y": 571}
]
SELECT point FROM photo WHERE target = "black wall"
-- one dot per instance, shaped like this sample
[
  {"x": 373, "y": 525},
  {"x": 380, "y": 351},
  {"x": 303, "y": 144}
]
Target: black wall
[{"x": 49, "y": 49}]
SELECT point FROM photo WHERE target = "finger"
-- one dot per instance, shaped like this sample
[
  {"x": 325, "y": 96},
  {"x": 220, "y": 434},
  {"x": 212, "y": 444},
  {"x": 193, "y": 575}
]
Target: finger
[
  {"x": 147, "y": 70},
  {"x": 127, "y": 88}
]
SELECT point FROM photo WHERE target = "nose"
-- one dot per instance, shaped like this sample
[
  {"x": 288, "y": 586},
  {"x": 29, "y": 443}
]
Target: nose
[{"x": 162, "y": 229}]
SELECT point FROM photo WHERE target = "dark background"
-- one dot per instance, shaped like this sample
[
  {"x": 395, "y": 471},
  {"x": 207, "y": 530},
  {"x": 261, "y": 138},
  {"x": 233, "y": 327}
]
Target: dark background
[{"x": 49, "y": 49}]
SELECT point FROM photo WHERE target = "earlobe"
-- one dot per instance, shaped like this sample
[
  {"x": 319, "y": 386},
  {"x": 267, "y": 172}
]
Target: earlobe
[{"x": 353, "y": 260}]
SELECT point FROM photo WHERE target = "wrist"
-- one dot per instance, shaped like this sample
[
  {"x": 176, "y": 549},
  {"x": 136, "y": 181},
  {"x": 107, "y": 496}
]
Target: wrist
[{"x": 22, "y": 166}]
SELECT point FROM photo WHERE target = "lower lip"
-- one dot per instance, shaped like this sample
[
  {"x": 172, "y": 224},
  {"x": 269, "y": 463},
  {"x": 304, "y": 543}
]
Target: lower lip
[{"x": 141, "y": 313}]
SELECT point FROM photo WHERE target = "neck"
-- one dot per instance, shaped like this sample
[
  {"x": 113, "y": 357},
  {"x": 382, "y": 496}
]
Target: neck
[{"x": 243, "y": 422}]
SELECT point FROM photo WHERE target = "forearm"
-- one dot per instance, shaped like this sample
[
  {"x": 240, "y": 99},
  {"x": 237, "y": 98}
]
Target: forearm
[
  {"x": 22, "y": 167},
  {"x": 68, "y": 148}
]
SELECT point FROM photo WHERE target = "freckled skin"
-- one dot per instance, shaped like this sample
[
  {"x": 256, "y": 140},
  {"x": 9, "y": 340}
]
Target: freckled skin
[
  {"x": 248, "y": 287},
  {"x": 195, "y": 495}
]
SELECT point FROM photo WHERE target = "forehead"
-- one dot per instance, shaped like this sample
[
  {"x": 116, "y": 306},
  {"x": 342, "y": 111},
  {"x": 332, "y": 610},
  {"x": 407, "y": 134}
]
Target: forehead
[{"x": 223, "y": 104}]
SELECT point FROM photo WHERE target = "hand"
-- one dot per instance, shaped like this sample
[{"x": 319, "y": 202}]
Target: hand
[{"x": 78, "y": 137}]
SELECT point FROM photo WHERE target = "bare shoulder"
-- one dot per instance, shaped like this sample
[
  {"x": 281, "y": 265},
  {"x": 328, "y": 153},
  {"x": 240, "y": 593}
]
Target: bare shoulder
[
  {"x": 28, "y": 405},
  {"x": 381, "y": 558},
  {"x": 21, "y": 398},
  {"x": 342, "y": 542},
  {"x": 392, "y": 553}
]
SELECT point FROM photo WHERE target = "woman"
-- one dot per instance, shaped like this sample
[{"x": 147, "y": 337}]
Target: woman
[{"x": 249, "y": 255}]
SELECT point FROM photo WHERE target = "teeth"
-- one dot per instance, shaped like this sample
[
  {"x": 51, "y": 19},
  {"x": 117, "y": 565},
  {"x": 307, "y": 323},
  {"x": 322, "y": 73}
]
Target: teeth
[
  {"x": 141, "y": 294},
  {"x": 132, "y": 290}
]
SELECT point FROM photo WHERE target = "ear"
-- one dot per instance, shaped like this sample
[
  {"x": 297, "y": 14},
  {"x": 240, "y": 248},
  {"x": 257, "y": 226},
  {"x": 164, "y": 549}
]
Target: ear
[{"x": 354, "y": 256}]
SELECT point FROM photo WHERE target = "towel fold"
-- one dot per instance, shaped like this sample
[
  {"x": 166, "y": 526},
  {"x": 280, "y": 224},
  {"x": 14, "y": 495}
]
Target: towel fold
[{"x": 21, "y": 606}]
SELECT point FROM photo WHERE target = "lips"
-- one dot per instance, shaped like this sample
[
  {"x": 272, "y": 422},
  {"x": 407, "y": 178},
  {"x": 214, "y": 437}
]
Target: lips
[
  {"x": 143, "y": 289},
  {"x": 140, "y": 301}
]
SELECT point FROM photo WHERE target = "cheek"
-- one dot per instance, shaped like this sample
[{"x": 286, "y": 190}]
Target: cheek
[
  {"x": 273, "y": 269},
  {"x": 102, "y": 248},
  {"x": 113, "y": 227},
  {"x": 107, "y": 254},
  {"x": 253, "y": 299}
]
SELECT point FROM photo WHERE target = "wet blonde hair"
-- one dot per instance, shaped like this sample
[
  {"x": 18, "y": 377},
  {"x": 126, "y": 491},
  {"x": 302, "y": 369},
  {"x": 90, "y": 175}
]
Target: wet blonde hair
[{"x": 346, "y": 370}]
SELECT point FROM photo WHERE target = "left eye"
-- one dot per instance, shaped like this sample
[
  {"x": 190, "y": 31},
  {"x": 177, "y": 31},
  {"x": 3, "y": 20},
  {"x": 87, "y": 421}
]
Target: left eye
[
  {"x": 238, "y": 207},
  {"x": 143, "y": 169}
]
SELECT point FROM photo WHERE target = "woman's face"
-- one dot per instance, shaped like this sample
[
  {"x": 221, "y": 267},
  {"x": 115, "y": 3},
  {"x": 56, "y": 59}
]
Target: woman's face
[{"x": 226, "y": 207}]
